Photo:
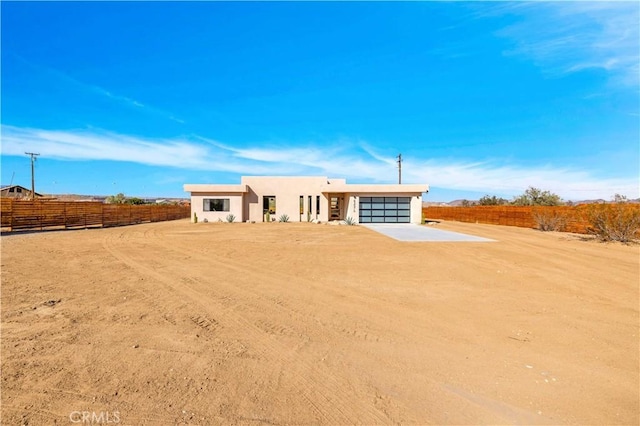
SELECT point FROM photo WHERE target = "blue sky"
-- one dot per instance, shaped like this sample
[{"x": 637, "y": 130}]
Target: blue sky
[{"x": 480, "y": 98}]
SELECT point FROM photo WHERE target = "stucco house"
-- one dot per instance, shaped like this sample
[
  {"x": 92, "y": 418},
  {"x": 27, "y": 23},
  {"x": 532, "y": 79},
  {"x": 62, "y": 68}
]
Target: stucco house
[{"x": 305, "y": 198}]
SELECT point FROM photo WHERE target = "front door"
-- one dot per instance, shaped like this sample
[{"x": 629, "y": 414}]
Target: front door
[{"x": 335, "y": 207}]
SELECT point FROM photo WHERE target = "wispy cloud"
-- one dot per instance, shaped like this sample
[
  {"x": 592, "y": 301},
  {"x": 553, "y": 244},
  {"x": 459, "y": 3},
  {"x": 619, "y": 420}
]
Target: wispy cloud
[
  {"x": 197, "y": 153},
  {"x": 110, "y": 95},
  {"x": 508, "y": 180},
  {"x": 566, "y": 37},
  {"x": 124, "y": 99},
  {"x": 96, "y": 145},
  {"x": 82, "y": 86}
]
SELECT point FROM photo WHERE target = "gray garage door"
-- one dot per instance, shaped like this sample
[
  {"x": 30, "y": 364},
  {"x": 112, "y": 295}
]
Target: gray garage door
[{"x": 385, "y": 209}]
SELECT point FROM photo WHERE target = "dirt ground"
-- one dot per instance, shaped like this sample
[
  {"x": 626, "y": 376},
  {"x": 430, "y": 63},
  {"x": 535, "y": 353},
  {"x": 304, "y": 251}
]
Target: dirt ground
[{"x": 179, "y": 323}]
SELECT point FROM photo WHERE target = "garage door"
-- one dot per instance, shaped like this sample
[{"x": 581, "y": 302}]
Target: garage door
[{"x": 385, "y": 209}]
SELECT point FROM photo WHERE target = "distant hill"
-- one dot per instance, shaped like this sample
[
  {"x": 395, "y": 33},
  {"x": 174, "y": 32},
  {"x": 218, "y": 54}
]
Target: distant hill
[
  {"x": 458, "y": 203},
  {"x": 101, "y": 198},
  {"x": 76, "y": 197}
]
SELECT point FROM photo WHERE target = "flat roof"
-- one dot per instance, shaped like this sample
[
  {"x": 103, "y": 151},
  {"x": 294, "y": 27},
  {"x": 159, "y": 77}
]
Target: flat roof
[
  {"x": 373, "y": 188},
  {"x": 327, "y": 186},
  {"x": 205, "y": 187}
]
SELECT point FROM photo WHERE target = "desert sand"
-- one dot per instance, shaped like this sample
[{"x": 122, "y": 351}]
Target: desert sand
[{"x": 283, "y": 323}]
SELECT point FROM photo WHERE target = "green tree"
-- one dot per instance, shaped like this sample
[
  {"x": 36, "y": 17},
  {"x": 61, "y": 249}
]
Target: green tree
[
  {"x": 116, "y": 199},
  {"x": 617, "y": 198},
  {"x": 537, "y": 197},
  {"x": 492, "y": 200},
  {"x": 135, "y": 200}
]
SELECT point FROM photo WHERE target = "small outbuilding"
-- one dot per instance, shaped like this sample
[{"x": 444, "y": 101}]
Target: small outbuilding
[
  {"x": 16, "y": 191},
  {"x": 307, "y": 198}
]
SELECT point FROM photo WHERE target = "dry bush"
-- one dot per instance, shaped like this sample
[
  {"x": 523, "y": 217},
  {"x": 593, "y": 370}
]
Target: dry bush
[
  {"x": 614, "y": 222},
  {"x": 550, "y": 220}
]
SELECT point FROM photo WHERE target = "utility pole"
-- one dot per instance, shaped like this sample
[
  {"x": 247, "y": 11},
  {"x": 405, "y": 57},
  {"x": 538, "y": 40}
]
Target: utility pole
[
  {"x": 33, "y": 178},
  {"x": 399, "y": 168}
]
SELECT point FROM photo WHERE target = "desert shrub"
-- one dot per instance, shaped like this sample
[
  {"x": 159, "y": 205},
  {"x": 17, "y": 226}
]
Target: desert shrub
[
  {"x": 537, "y": 197},
  {"x": 614, "y": 222},
  {"x": 350, "y": 221},
  {"x": 283, "y": 218},
  {"x": 550, "y": 219},
  {"x": 231, "y": 217},
  {"x": 195, "y": 217}
]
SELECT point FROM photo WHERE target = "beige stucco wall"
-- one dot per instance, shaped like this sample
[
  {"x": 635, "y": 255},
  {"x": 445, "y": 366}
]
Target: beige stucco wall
[
  {"x": 246, "y": 199},
  {"x": 416, "y": 209},
  {"x": 287, "y": 191},
  {"x": 235, "y": 206}
]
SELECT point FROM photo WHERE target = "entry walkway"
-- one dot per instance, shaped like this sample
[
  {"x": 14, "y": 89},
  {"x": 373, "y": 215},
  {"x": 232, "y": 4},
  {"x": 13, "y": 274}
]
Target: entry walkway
[{"x": 410, "y": 232}]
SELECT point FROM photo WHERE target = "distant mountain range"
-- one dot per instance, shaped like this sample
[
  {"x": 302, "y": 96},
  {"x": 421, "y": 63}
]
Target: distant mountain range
[{"x": 101, "y": 198}]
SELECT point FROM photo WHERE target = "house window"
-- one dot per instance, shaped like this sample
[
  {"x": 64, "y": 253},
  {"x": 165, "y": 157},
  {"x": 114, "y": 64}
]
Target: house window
[
  {"x": 216, "y": 205},
  {"x": 317, "y": 205},
  {"x": 309, "y": 203},
  {"x": 301, "y": 205},
  {"x": 269, "y": 204}
]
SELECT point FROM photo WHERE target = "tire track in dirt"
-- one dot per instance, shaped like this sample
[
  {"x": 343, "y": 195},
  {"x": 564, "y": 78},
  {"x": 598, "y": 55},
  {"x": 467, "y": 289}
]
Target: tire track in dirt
[
  {"x": 257, "y": 274},
  {"x": 333, "y": 410},
  {"x": 274, "y": 329},
  {"x": 390, "y": 406},
  {"x": 300, "y": 314}
]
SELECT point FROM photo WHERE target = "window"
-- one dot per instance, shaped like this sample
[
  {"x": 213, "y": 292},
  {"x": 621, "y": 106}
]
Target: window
[
  {"x": 269, "y": 204},
  {"x": 317, "y": 205},
  {"x": 309, "y": 211},
  {"x": 301, "y": 205},
  {"x": 216, "y": 205}
]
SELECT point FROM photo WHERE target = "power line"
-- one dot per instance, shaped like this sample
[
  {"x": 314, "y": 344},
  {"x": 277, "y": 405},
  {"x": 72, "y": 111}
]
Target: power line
[{"x": 33, "y": 177}]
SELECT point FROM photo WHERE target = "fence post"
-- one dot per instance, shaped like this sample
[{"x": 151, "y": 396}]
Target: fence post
[{"x": 39, "y": 210}]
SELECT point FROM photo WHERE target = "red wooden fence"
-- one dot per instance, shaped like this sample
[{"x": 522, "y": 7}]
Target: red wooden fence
[
  {"x": 22, "y": 215},
  {"x": 523, "y": 216}
]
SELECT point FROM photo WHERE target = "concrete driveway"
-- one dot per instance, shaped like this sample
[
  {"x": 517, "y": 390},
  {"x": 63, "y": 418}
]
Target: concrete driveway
[{"x": 410, "y": 232}]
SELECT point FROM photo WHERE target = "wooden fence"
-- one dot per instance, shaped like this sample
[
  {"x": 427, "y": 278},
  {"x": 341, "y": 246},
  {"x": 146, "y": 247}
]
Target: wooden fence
[
  {"x": 22, "y": 215},
  {"x": 575, "y": 216}
]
